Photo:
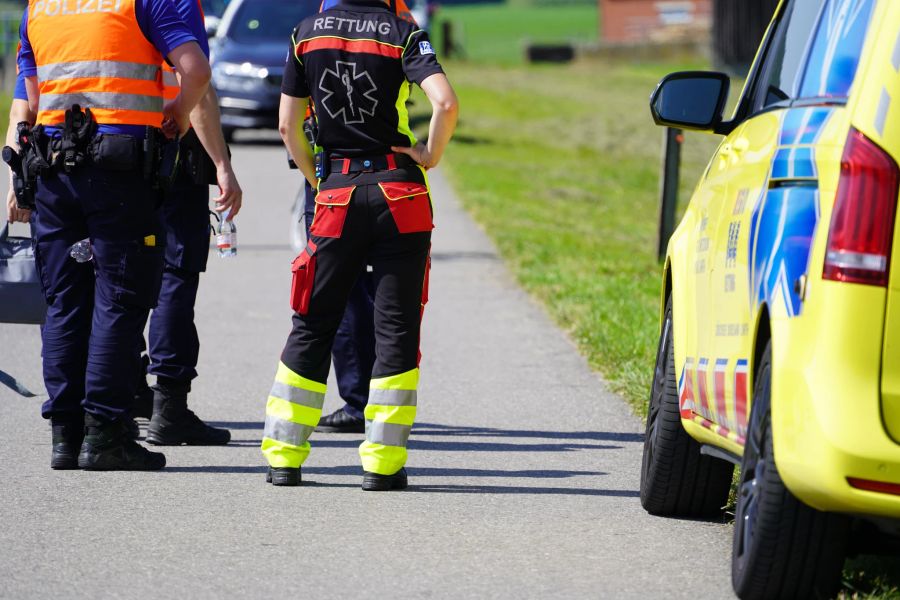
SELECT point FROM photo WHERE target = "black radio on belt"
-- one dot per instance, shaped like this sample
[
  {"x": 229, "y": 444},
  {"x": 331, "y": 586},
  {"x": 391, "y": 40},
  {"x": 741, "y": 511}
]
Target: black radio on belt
[
  {"x": 323, "y": 165},
  {"x": 161, "y": 158}
]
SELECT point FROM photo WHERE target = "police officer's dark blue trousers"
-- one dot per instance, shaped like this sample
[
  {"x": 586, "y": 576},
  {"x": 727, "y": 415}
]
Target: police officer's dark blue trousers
[
  {"x": 96, "y": 309},
  {"x": 353, "y": 352},
  {"x": 174, "y": 345}
]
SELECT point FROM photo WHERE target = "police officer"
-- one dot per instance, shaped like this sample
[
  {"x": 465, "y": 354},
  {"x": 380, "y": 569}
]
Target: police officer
[
  {"x": 356, "y": 61},
  {"x": 174, "y": 345},
  {"x": 96, "y": 69},
  {"x": 353, "y": 351}
]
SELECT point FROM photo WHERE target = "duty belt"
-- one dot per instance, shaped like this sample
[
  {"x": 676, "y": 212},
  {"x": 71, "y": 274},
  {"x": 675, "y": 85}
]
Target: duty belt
[{"x": 368, "y": 164}]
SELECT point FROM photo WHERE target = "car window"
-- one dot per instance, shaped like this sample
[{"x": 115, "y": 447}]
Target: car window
[
  {"x": 834, "y": 56},
  {"x": 214, "y": 8},
  {"x": 780, "y": 77},
  {"x": 262, "y": 21}
]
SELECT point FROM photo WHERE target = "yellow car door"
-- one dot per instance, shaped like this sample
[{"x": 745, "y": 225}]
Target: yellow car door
[{"x": 766, "y": 227}]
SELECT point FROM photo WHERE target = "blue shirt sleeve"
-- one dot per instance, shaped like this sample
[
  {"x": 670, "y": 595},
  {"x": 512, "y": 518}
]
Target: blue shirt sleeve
[
  {"x": 192, "y": 16},
  {"x": 25, "y": 58},
  {"x": 163, "y": 25},
  {"x": 21, "y": 92}
]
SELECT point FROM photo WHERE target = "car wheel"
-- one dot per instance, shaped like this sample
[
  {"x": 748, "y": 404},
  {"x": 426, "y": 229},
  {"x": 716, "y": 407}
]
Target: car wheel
[
  {"x": 782, "y": 548},
  {"x": 676, "y": 479}
]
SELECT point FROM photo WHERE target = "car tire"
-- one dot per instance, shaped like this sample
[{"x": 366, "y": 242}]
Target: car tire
[
  {"x": 782, "y": 548},
  {"x": 676, "y": 479}
]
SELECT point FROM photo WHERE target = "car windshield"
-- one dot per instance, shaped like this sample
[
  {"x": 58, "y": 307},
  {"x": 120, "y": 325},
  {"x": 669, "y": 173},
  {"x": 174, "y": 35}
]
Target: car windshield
[
  {"x": 260, "y": 21},
  {"x": 214, "y": 8}
]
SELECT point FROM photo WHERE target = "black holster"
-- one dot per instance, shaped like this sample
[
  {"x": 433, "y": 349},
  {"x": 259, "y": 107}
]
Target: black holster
[
  {"x": 28, "y": 163},
  {"x": 73, "y": 147},
  {"x": 197, "y": 164},
  {"x": 161, "y": 158}
]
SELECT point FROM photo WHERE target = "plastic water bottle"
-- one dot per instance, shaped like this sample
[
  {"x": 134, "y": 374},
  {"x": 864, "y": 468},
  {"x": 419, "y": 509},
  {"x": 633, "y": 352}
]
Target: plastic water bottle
[
  {"x": 226, "y": 238},
  {"x": 81, "y": 251}
]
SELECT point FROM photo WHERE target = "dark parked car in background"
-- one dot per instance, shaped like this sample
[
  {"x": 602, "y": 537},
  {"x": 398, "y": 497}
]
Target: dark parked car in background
[
  {"x": 248, "y": 53},
  {"x": 213, "y": 10}
]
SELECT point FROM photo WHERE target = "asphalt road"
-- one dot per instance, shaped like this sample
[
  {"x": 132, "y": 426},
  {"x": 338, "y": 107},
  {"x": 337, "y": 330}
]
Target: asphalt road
[{"x": 524, "y": 469}]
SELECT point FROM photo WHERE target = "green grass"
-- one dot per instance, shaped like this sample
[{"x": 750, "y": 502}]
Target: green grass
[
  {"x": 871, "y": 578},
  {"x": 498, "y": 32},
  {"x": 5, "y": 101},
  {"x": 560, "y": 165}
]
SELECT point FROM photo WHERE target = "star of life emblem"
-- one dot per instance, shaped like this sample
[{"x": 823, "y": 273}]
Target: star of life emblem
[{"x": 349, "y": 94}]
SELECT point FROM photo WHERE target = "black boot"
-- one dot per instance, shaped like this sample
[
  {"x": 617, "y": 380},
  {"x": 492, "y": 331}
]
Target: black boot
[
  {"x": 340, "y": 422},
  {"x": 107, "y": 446},
  {"x": 67, "y": 438},
  {"x": 283, "y": 476},
  {"x": 174, "y": 424},
  {"x": 373, "y": 482}
]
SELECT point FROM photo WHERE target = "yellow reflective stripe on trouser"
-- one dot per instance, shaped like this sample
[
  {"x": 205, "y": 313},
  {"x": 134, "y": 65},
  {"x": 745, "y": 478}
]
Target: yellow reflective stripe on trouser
[
  {"x": 390, "y": 415},
  {"x": 292, "y": 413}
]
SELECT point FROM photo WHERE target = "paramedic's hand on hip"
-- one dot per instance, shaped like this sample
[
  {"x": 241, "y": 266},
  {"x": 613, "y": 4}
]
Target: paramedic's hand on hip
[
  {"x": 445, "y": 110},
  {"x": 418, "y": 153}
]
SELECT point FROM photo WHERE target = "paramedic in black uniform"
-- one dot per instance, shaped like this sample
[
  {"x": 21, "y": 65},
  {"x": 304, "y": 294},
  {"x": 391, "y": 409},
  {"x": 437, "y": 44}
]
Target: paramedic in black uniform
[{"x": 357, "y": 62}]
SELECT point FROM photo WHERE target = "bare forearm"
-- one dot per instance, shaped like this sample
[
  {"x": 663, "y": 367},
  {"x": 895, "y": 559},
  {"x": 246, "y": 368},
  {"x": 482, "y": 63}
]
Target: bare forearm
[
  {"x": 207, "y": 123},
  {"x": 443, "y": 124},
  {"x": 19, "y": 111},
  {"x": 194, "y": 74},
  {"x": 445, "y": 110}
]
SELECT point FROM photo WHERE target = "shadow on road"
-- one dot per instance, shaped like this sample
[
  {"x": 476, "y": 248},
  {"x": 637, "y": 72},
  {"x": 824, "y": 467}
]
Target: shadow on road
[
  {"x": 356, "y": 471},
  {"x": 499, "y": 489},
  {"x": 462, "y": 430},
  {"x": 438, "y": 430},
  {"x": 446, "y": 446}
]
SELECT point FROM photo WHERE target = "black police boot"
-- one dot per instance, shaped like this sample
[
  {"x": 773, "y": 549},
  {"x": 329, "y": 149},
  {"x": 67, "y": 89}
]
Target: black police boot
[
  {"x": 174, "y": 424},
  {"x": 67, "y": 438},
  {"x": 107, "y": 446},
  {"x": 373, "y": 482},
  {"x": 340, "y": 422},
  {"x": 287, "y": 476},
  {"x": 134, "y": 430},
  {"x": 143, "y": 395}
]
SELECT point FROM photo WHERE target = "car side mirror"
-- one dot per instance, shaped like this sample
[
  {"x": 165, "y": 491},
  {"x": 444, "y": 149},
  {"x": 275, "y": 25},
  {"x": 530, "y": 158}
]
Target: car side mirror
[
  {"x": 212, "y": 26},
  {"x": 690, "y": 100}
]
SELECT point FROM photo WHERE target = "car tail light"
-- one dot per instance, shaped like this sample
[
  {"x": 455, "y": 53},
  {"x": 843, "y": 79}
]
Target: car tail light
[
  {"x": 862, "y": 225},
  {"x": 882, "y": 487}
]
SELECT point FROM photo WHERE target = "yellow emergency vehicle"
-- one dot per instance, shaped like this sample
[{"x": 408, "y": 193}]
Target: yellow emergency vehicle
[{"x": 779, "y": 347}]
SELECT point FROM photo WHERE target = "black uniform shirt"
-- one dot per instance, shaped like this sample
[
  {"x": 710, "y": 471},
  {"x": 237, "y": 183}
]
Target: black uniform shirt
[{"x": 356, "y": 62}]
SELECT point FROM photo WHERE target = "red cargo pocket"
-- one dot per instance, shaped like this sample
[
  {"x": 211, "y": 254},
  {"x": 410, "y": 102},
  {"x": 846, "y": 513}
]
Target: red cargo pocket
[
  {"x": 331, "y": 212},
  {"x": 304, "y": 269},
  {"x": 410, "y": 206}
]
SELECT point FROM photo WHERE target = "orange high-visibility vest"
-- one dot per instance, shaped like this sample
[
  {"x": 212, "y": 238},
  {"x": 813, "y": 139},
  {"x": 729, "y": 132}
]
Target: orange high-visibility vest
[
  {"x": 170, "y": 81},
  {"x": 402, "y": 10},
  {"x": 94, "y": 54},
  {"x": 398, "y": 6}
]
